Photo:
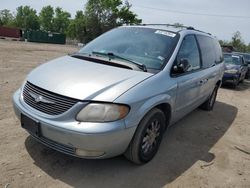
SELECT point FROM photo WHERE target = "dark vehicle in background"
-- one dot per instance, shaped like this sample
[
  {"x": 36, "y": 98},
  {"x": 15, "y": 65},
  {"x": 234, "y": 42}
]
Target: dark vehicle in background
[
  {"x": 235, "y": 68},
  {"x": 246, "y": 57},
  {"x": 10, "y": 32}
]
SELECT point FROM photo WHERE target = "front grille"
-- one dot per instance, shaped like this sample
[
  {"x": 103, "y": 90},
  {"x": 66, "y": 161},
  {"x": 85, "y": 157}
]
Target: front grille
[
  {"x": 51, "y": 103},
  {"x": 55, "y": 145}
]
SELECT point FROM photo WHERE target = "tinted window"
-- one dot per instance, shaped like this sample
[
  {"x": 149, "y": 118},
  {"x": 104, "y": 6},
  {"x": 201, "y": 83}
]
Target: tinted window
[
  {"x": 189, "y": 50},
  {"x": 207, "y": 51},
  {"x": 147, "y": 46}
]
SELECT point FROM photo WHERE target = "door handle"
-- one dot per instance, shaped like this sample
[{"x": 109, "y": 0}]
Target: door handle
[
  {"x": 205, "y": 80},
  {"x": 201, "y": 82}
]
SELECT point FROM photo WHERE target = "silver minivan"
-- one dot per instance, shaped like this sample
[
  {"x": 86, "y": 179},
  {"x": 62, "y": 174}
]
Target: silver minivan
[{"x": 121, "y": 91}]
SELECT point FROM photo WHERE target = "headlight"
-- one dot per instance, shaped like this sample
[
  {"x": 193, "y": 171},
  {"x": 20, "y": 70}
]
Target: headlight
[
  {"x": 231, "y": 71},
  {"x": 102, "y": 112}
]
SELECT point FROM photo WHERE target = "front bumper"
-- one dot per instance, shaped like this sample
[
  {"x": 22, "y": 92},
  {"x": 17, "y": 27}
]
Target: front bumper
[
  {"x": 227, "y": 77},
  {"x": 63, "y": 133}
]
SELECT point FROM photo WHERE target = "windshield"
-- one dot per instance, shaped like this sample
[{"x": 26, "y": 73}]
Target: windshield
[
  {"x": 150, "y": 47},
  {"x": 232, "y": 59}
]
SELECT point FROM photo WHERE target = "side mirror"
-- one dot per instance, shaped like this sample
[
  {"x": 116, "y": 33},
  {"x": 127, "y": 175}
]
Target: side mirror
[{"x": 181, "y": 66}]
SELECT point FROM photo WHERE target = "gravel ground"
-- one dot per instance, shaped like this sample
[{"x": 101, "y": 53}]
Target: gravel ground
[{"x": 205, "y": 149}]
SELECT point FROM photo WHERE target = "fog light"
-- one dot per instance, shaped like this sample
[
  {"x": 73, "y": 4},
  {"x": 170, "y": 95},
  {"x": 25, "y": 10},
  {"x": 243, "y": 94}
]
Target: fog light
[{"x": 87, "y": 153}]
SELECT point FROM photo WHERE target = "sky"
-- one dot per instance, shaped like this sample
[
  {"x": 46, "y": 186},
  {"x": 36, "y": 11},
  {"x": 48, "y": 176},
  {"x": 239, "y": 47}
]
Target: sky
[{"x": 220, "y": 17}]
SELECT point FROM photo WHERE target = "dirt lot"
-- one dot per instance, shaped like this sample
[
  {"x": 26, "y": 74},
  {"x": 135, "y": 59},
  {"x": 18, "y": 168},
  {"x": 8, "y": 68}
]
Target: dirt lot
[{"x": 205, "y": 149}]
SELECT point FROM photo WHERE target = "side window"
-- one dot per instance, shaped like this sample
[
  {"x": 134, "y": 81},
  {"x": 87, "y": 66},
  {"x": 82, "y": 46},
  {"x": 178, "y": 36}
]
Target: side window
[
  {"x": 189, "y": 51},
  {"x": 207, "y": 51},
  {"x": 218, "y": 52}
]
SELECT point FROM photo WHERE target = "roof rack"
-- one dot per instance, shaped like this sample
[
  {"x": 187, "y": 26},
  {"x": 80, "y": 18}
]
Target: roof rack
[
  {"x": 176, "y": 26},
  {"x": 171, "y": 25}
]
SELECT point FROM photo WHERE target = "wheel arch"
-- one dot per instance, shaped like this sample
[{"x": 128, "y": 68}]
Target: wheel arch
[
  {"x": 218, "y": 83},
  {"x": 167, "y": 110},
  {"x": 164, "y": 102}
]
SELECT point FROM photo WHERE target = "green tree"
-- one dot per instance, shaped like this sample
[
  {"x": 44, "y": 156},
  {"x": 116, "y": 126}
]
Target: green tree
[
  {"x": 103, "y": 15},
  {"x": 126, "y": 16},
  {"x": 26, "y": 18},
  {"x": 248, "y": 48},
  {"x": 237, "y": 42},
  {"x": 224, "y": 42},
  {"x": 46, "y": 18},
  {"x": 6, "y": 18},
  {"x": 178, "y": 25},
  {"x": 77, "y": 27},
  {"x": 61, "y": 20}
]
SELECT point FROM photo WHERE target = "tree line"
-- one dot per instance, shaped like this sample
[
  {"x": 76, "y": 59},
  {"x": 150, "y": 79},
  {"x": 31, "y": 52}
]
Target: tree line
[
  {"x": 96, "y": 18},
  {"x": 237, "y": 42}
]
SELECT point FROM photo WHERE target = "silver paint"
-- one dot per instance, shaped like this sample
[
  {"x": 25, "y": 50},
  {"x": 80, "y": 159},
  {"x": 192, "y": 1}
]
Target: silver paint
[{"x": 142, "y": 91}]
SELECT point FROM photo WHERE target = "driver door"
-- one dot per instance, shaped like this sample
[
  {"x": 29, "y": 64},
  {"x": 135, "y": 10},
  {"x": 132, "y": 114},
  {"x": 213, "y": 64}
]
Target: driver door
[{"x": 188, "y": 83}]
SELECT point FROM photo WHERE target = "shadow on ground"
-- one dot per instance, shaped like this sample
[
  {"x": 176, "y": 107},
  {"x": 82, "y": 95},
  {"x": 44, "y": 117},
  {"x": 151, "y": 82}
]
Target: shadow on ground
[{"x": 183, "y": 145}]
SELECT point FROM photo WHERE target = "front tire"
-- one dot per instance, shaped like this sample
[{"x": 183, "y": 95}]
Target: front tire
[{"x": 147, "y": 138}]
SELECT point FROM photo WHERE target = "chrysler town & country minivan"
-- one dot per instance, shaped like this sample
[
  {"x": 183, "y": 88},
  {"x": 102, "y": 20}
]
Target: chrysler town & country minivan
[{"x": 121, "y": 91}]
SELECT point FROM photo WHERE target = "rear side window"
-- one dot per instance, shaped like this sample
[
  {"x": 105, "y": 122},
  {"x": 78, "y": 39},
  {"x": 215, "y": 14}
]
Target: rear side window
[
  {"x": 218, "y": 52},
  {"x": 208, "y": 53}
]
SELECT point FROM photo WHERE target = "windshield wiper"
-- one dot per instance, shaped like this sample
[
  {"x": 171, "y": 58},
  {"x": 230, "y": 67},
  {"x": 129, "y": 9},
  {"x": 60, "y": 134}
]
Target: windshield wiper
[{"x": 111, "y": 54}]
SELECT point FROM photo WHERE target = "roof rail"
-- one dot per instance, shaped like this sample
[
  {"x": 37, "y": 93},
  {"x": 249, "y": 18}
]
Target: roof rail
[
  {"x": 177, "y": 26},
  {"x": 171, "y": 25},
  {"x": 203, "y": 32}
]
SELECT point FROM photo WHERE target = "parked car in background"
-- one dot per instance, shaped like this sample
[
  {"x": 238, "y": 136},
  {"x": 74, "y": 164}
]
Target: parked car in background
[
  {"x": 246, "y": 57},
  {"x": 235, "y": 69},
  {"x": 121, "y": 91}
]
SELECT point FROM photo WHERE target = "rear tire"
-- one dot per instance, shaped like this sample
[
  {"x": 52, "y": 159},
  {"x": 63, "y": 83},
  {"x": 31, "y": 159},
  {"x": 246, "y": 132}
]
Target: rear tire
[
  {"x": 147, "y": 137},
  {"x": 208, "y": 105}
]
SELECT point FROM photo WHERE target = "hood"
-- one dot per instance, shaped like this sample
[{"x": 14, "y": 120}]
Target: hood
[
  {"x": 231, "y": 66},
  {"x": 85, "y": 80}
]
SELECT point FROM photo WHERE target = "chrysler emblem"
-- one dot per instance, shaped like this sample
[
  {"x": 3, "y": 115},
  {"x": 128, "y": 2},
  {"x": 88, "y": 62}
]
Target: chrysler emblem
[{"x": 40, "y": 98}]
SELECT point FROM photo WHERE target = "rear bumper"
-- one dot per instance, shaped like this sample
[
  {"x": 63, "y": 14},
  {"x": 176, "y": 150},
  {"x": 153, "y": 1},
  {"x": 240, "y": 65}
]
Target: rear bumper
[{"x": 68, "y": 135}]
